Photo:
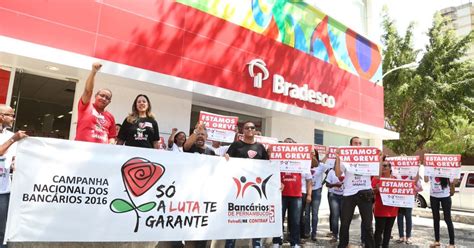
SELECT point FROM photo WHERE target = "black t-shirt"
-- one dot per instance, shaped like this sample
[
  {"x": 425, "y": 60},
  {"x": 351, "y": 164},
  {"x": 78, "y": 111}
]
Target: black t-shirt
[
  {"x": 240, "y": 149},
  {"x": 195, "y": 149},
  {"x": 142, "y": 133}
]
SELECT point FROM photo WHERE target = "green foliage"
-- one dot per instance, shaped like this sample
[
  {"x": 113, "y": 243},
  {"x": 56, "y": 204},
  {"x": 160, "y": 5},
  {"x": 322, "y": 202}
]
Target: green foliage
[
  {"x": 420, "y": 103},
  {"x": 456, "y": 140}
]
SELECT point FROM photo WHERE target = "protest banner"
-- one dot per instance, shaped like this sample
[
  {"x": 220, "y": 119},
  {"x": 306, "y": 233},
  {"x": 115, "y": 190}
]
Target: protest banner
[
  {"x": 404, "y": 166},
  {"x": 397, "y": 192},
  {"x": 72, "y": 191},
  {"x": 322, "y": 150},
  {"x": 331, "y": 161},
  {"x": 219, "y": 127},
  {"x": 361, "y": 160},
  {"x": 265, "y": 141},
  {"x": 443, "y": 165},
  {"x": 291, "y": 157}
]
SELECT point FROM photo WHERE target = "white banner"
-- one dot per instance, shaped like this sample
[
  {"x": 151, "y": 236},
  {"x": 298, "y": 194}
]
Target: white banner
[
  {"x": 361, "y": 160},
  {"x": 83, "y": 192},
  {"x": 397, "y": 193},
  {"x": 404, "y": 166},
  {"x": 443, "y": 165},
  {"x": 290, "y": 157},
  {"x": 219, "y": 127}
]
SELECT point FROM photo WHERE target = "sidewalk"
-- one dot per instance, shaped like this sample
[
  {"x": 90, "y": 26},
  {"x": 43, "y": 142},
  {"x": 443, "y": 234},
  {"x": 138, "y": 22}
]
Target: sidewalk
[{"x": 456, "y": 216}]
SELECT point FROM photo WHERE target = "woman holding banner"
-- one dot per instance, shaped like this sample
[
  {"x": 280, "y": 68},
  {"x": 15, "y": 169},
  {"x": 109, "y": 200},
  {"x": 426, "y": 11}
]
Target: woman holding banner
[
  {"x": 140, "y": 128},
  {"x": 440, "y": 194},
  {"x": 384, "y": 215}
]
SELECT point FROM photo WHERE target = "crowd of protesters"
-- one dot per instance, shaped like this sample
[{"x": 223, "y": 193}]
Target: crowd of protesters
[{"x": 301, "y": 192}]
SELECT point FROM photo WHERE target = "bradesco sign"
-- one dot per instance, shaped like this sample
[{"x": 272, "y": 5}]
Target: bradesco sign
[{"x": 280, "y": 86}]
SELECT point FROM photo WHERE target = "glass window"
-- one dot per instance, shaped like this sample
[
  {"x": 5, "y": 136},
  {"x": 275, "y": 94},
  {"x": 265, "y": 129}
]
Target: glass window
[
  {"x": 318, "y": 136},
  {"x": 43, "y": 105},
  {"x": 458, "y": 183},
  {"x": 470, "y": 181}
]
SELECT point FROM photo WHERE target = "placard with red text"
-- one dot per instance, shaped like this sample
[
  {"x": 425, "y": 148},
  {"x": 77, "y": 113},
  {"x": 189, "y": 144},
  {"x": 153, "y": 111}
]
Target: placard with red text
[
  {"x": 219, "y": 127},
  {"x": 404, "y": 165},
  {"x": 291, "y": 157},
  {"x": 322, "y": 150},
  {"x": 264, "y": 140},
  {"x": 397, "y": 192},
  {"x": 361, "y": 160},
  {"x": 331, "y": 161},
  {"x": 443, "y": 165}
]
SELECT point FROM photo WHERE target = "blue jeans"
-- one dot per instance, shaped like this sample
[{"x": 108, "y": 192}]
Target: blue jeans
[
  {"x": 335, "y": 204},
  {"x": 4, "y": 200},
  {"x": 230, "y": 243},
  {"x": 293, "y": 204},
  {"x": 305, "y": 217},
  {"x": 404, "y": 212},
  {"x": 315, "y": 201}
]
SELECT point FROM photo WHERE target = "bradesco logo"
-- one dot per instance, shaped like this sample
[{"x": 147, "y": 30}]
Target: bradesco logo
[
  {"x": 280, "y": 86},
  {"x": 138, "y": 175}
]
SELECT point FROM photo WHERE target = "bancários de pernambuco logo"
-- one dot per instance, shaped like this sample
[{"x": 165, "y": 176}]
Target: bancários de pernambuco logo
[{"x": 138, "y": 175}]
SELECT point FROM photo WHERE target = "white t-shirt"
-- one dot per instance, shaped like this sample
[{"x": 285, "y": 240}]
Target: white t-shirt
[
  {"x": 5, "y": 177},
  {"x": 304, "y": 177},
  {"x": 332, "y": 179},
  {"x": 175, "y": 148},
  {"x": 354, "y": 183},
  {"x": 318, "y": 175},
  {"x": 436, "y": 190}
]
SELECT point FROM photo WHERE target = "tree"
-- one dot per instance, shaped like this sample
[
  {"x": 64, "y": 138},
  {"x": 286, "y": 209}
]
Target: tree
[
  {"x": 458, "y": 139},
  {"x": 419, "y": 103}
]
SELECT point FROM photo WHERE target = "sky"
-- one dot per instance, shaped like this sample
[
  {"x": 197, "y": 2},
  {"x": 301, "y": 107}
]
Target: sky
[{"x": 419, "y": 11}]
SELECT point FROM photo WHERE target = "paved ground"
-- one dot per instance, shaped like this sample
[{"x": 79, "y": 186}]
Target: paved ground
[{"x": 422, "y": 233}]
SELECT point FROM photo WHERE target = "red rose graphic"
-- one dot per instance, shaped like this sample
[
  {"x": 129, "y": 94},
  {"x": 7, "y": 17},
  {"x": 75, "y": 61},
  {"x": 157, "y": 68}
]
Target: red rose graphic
[{"x": 141, "y": 174}]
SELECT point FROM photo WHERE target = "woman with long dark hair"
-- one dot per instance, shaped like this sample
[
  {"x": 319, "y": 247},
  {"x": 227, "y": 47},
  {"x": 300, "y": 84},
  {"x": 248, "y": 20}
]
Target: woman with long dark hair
[
  {"x": 140, "y": 128},
  {"x": 440, "y": 194}
]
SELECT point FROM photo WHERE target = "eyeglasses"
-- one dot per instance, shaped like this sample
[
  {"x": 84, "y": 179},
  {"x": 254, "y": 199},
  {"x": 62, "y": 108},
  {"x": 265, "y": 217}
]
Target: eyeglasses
[
  {"x": 106, "y": 97},
  {"x": 249, "y": 128},
  {"x": 11, "y": 115}
]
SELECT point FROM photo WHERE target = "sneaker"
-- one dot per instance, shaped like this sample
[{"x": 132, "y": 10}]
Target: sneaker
[
  {"x": 408, "y": 241},
  {"x": 313, "y": 238}
]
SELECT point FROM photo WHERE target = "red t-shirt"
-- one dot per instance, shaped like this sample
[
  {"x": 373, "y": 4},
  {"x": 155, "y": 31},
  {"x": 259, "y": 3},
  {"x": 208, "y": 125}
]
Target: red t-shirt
[
  {"x": 381, "y": 210},
  {"x": 292, "y": 182},
  {"x": 93, "y": 126}
]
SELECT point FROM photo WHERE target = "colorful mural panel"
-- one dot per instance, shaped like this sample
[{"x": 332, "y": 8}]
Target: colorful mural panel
[{"x": 303, "y": 27}]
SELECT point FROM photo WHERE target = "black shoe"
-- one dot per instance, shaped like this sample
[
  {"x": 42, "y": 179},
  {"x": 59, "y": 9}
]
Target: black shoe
[
  {"x": 305, "y": 236},
  {"x": 313, "y": 238}
]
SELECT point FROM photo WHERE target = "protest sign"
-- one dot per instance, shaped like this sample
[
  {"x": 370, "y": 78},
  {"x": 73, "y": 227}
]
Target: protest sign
[
  {"x": 397, "y": 193},
  {"x": 322, "y": 150},
  {"x": 404, "y": 166},
  {"x": 361, "y": 160},
  {"x": 443, "y": 165},
  {"x": 219, "y": 127},
  {"x": 291, "y": 157},
  {"x": 73, "y": 191}
]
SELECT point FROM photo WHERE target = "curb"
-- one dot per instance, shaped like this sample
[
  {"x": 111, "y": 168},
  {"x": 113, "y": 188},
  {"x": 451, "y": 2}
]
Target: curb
[{"x": 456, "y": 216}]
